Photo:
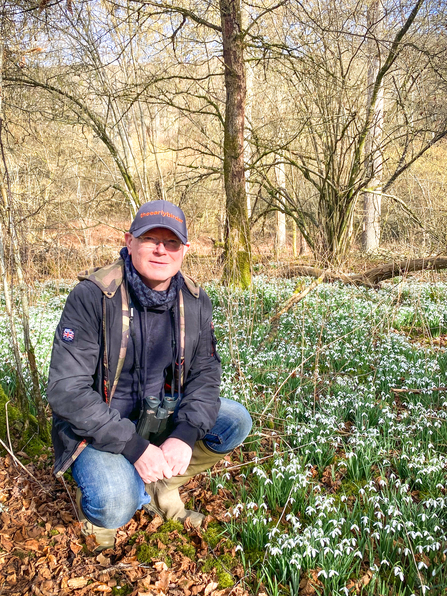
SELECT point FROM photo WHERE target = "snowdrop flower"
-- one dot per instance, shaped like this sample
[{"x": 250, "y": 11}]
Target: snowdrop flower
[{"x": 398, "y": 572}]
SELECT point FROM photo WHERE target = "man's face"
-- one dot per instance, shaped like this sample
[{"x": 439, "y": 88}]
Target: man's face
[{"x": 157, "y": 255}]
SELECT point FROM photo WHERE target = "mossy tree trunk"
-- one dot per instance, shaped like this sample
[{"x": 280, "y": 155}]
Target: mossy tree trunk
[
  {"x": 237, "y": 270},
  {"x": 7, "y": 216},
  {"x": 29, "y": 348},
  {"x": 21, "y": 388}
]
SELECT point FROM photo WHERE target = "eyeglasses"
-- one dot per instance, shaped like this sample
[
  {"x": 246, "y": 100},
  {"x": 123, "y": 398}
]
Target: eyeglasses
[{"x": 171, "y": 245}]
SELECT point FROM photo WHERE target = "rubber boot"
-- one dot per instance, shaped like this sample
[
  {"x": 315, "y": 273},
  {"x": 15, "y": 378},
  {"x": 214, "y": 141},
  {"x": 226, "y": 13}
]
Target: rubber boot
[
  {"x": 105, "y": 537},
  {"x": 164, "y": 494}
]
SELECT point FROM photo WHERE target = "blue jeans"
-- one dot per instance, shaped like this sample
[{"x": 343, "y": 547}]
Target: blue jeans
[{"x": 112, "y": 489}]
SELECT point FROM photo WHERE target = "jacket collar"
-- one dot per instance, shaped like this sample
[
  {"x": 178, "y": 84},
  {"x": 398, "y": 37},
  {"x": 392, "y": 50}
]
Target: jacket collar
[{"x": 109, "y": 278}]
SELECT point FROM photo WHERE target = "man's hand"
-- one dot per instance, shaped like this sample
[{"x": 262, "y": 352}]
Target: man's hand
[
  {"x": 152, "y": 465},
  {"x": 177, "y": 454}
]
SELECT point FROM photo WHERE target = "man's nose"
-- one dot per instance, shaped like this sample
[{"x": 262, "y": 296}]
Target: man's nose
[{"x": 160, "y": 247}]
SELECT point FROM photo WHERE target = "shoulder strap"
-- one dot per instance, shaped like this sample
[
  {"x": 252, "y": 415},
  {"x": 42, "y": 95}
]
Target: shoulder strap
[
  {"x": 124, "y": 337},
  {"x": 182, "y": 339},
  {"x": 108, "y": 394}
]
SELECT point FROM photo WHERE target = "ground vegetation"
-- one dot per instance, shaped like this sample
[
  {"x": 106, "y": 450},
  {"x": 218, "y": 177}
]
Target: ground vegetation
[{"x": 341, "y": 485}]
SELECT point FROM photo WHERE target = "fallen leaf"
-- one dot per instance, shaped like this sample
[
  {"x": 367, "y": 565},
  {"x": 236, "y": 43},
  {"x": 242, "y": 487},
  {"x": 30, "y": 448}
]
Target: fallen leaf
[
  {"x": 77, "y": 582},
  {"x": 102, "y": 588},
  {"x": 75, "y": 547},
  {"x": 154, "y": 524},
  {"x": 160, "y": 566},
  {"x": 355, "y": 587},
  {"x": 309, "y": 583},
  {"x": 91, "y": 542},
  {"x": 102, "y": 560},
  {"x": 210, "y": 588},
  {"x": 7, "y": 544},
  {"x": 18, "y": 536},
  {"x": 163, "y": 582},
  {"x": 47, "y": 586},
  {"x": 32, "y": 545}
]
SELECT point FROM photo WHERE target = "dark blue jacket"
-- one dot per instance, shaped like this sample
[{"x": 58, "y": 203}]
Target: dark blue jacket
[{"x": 76, "y": 381}]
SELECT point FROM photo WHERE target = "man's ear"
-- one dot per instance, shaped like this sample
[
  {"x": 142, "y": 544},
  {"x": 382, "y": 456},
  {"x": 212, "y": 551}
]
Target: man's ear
[
  {"x": 128, "y": 239},
  {"x": 186, "y": 247}
]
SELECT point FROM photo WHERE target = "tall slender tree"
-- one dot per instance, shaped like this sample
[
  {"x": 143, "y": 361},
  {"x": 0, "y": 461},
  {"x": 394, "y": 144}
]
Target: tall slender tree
[{"x": 372, "y": 201}]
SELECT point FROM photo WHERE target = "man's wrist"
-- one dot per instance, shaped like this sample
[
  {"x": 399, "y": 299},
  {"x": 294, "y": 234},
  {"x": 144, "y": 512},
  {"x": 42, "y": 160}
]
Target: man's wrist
[
  {"x": 187, "y": 433},
  {"x": 135, "y": 448}
]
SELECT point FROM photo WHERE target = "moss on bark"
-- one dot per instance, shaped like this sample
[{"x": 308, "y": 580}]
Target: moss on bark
[{"x": 23, "y": 428}]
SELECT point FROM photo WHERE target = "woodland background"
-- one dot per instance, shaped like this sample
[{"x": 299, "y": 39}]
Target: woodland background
[
  {"x": 300, "y": 138},
  {"x": 279, "y": 127}
]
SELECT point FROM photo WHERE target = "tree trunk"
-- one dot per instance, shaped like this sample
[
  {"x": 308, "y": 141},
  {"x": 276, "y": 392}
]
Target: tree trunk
[
  {"x": 280, "y": 235},
  {"x": 21, "y": 387},
  {"x": 372, "y": 202},
  {"x": 237, "y": 270},
  {"x": 29, "y": 348},
  {"x": 247, "y": 147},
  {"x": 14, "y": 246},
  {"x": 294, "y": 239}
]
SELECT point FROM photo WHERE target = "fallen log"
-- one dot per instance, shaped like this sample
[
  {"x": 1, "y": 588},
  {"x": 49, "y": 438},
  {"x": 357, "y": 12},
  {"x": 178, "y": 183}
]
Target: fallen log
[
  {"x": 372, "y": 277},
  {"x": 369, "y": 279}
]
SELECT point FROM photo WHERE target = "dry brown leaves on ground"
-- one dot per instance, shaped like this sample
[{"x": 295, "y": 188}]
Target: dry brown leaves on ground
[{"x": 42, "y": 552}]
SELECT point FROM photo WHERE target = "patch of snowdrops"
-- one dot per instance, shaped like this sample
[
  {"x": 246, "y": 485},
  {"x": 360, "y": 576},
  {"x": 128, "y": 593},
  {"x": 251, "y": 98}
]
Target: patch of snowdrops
[
  {"x": 347, "y": 484},
  {"x": 353, "y": 496}
]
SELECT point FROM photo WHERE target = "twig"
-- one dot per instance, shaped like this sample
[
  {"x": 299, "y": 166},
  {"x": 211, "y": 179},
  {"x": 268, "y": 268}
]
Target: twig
[
  {"x": 26, "y": 470},
  {"x": 294, "y": 299},
  {"x": 258, "y": 460},
  {"x": 7, "y": 428},
  {"x": 280, "y": 517},
  {"x": 396, "y": 390},
  {"x": 75, "y": 509}
]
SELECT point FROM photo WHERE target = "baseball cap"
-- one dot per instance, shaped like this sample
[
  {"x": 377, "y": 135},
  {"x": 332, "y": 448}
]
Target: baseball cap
[{"x": 160, "y": 214}]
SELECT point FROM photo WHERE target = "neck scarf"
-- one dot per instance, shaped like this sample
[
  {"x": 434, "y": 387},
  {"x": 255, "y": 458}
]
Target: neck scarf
[{"x": 148, "y": 297}]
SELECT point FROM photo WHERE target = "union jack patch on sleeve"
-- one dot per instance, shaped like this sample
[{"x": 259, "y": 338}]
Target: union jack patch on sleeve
[{"x": 68, "y": 335}]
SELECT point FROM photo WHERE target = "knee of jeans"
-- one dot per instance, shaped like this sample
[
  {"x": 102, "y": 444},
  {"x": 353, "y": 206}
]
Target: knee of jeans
[
  {"x": 240, "y": 427},
  {"x": 244, "y": 423},
  {"x": 111, "y": 508}
]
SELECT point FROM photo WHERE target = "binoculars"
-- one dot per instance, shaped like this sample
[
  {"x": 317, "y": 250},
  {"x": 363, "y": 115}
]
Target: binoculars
[{"x": 154, "y": 416}]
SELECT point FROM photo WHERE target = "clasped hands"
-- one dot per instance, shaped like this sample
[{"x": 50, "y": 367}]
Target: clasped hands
[{"x": 170, "y": 459}]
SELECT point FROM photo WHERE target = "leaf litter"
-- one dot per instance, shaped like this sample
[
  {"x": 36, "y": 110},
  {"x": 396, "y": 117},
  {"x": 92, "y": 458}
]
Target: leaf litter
[{"x": 43, "y": 553}]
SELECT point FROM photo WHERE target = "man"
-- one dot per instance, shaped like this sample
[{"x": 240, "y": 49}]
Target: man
[{"x": 133, "y": 330}]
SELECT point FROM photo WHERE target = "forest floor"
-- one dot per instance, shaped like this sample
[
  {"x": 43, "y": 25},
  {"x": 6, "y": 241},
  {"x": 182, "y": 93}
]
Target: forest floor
[
  {"x": 43, "y": 551},
  {"x": 340, "y": 488}
]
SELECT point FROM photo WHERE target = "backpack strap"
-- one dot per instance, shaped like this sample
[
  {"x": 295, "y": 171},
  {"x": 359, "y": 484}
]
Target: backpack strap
[
  {"x": 182, "y": 340},
  {"x": 124, "y": 337},
  {"x": 109, "y": 279}
]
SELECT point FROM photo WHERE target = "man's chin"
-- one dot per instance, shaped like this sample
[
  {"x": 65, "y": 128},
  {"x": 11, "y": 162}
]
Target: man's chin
[{"x": 157, "y": 282}]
